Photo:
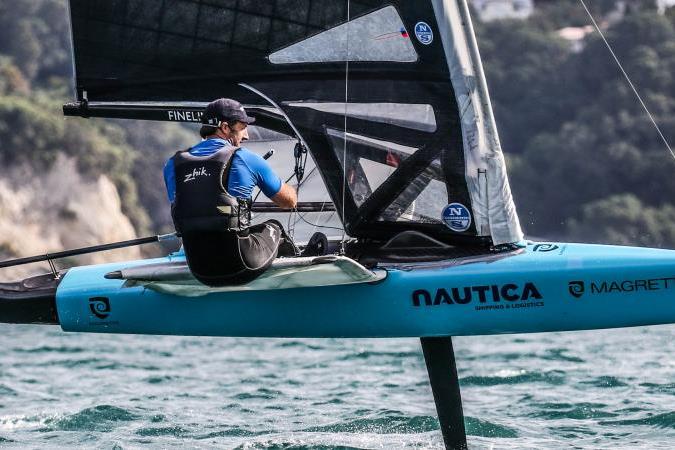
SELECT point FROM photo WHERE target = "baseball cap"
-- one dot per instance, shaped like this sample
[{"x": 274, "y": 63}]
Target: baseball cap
[{"x": 225, "y": 110}]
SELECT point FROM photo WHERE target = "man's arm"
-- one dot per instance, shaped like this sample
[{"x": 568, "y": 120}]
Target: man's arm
[
  {"x": 283, "y": 195},
  {"x": 287, "y": 197}
]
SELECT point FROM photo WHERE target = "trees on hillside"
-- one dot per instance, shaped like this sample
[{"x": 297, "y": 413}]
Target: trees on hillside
[
  {"x": 36, "y": 35},
  {"x": 625, "y": 220},
  {"x": 35, "y": 79},
  {"x": 576, "y": 135}
]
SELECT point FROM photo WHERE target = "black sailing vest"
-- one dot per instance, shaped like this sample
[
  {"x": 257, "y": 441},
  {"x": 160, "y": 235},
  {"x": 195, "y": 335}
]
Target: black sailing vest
[{"x": 202, "y": 202}]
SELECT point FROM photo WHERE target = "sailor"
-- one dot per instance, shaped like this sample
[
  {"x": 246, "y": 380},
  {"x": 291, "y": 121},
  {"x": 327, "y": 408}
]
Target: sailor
[{"x": 210, "y": 186}]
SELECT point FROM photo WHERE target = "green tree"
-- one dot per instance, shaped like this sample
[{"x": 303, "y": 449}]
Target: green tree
[
  {"x": 603, "y": 143},
  {"x": 521, "y": 81},
  {"x": 623, "y": 219},
  {"x": 12, "y": 80},
  {"x": 36, "y": 35}
]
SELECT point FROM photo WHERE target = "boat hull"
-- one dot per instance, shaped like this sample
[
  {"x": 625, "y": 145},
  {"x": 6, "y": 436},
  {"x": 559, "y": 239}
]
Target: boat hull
[{"x": 545, "y": 287}]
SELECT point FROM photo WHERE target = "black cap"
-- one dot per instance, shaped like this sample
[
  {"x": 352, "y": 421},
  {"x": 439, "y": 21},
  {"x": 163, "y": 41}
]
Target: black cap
[{"x": 225, "y": 110}]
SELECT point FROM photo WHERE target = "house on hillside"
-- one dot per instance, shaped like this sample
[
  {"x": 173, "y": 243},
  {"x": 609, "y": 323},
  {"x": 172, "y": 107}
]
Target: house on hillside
[
  {"x": 503, "y": 9},
  {"x": 575, "y": 36},
  {"x": 665, "y": 4},
  {"x": 622, "y": 6}
]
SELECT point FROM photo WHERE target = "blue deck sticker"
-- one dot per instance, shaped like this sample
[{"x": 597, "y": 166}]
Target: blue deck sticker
[
  {"x": 457, "y": 217},
  {"x": 424, "y": 33}
]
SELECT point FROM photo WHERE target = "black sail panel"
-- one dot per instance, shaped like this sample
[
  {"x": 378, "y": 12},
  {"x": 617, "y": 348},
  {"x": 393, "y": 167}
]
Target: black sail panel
[
  {"x": 369, "y": 85},
  {"x": 187, "y": 50}
]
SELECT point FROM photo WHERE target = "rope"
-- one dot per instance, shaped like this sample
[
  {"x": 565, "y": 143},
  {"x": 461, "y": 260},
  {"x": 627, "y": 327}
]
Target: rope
[
  {"x": 317, "y": 225},
  {"x": 609, "y": 47},
  {"x": 344, "y": 146}
]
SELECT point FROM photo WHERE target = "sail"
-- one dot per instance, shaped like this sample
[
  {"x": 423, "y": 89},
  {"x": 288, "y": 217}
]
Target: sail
[{"x": 389, "y": 97}]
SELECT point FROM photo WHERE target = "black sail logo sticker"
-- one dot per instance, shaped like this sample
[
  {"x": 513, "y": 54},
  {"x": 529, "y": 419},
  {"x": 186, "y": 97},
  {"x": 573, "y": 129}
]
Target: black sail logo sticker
[
  {"x": 100, "y": 306},
  {"x": 576, "y": 288}
]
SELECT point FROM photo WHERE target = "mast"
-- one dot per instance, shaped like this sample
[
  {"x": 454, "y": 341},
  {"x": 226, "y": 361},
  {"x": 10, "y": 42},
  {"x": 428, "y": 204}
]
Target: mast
[
  {"x": 493, "y": 206},
  {"x": 483, "y": 93}
]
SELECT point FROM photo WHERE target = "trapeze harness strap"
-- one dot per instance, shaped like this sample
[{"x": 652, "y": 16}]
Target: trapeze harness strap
[{"x": 202, "y": 202}]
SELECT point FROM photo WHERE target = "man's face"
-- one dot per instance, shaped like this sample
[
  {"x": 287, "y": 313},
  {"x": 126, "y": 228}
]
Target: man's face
[{"x": 237, "y": 133}]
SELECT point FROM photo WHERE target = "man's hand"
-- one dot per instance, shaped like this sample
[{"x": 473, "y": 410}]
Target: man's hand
[{"x": 286, "y": 198}]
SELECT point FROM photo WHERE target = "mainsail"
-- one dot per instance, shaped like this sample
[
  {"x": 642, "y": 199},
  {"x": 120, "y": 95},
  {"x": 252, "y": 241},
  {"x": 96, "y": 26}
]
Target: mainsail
[{"x": 389, "y": 96}]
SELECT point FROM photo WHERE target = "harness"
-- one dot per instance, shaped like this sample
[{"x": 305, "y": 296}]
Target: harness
[{"x": 202, "y": 202}]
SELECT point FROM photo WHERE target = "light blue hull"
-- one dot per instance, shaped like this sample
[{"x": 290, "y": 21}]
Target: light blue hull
[{"x": 546, "y": 287}]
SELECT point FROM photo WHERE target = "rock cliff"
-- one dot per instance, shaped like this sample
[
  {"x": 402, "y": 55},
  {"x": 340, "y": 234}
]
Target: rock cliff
[{"x": 56, "y": 210}]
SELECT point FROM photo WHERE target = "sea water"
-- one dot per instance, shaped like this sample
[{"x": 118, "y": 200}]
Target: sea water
[{"x": 588, "y": 390}]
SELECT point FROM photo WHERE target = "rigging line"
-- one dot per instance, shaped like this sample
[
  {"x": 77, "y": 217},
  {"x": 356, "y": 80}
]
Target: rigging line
[
  {"x": 308, "y": 176},
  {"x": 323, "y": 205},
  {"x": 290, "y": 230},
  {"x": 305, "y": 178},
  {"x": 344, "y": 145},
  {"x": 317, "y": 225},
  {"x": 281, "y": 111},
  {"x": 295, "y": 130},
  {"x": 609, "y": 47},
  {"x": 320, "y": 211},
  {"x": 297, "y": 133},
  {"x": 300, "y": 179}
]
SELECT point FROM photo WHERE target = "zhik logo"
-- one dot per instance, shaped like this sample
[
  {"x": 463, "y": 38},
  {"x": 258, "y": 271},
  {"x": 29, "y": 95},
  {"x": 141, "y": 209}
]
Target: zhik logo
[
  {"x": 577, "y": 288},
  {"x": 100, "y": 306},
  {"x": 201, "y": 172}
]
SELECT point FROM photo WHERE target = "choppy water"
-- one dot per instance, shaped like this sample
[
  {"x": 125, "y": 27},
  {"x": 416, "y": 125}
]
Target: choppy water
[{"x": 605, "y": 389}]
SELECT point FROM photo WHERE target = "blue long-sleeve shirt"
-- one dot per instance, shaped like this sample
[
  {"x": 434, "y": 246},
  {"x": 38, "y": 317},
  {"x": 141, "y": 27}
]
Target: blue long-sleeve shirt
[{"x": 247, "y": 171}]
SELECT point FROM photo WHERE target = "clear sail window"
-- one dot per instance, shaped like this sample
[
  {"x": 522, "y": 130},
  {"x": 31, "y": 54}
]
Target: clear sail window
[
  {"x": 421, "y": 201},
  {"x": 367, "y": 162},
  {"x": 377, "y": 36}
]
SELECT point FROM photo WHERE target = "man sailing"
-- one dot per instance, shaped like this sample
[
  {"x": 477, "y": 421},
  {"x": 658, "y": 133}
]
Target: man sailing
[{"x": 210, "y": 186}]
